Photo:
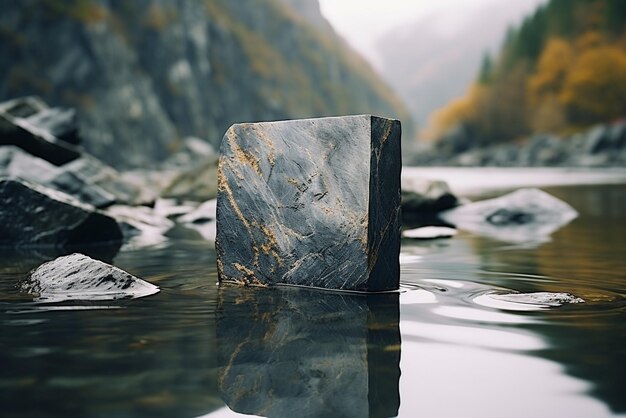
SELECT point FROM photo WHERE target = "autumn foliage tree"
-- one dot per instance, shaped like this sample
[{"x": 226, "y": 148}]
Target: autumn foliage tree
[{"x": 563, "y": 69}]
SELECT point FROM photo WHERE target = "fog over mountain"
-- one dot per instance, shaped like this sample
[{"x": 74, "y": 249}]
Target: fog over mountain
[{"x": 434, "y": 59}]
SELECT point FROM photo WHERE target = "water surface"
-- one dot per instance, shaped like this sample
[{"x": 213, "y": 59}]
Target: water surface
[{"x": 441, "y": 347}]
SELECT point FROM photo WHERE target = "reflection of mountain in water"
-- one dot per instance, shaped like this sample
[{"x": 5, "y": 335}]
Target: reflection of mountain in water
[{"x": 287, "y": 350}]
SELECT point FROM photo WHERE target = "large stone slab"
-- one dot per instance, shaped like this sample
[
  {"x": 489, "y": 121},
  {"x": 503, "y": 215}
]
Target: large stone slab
[
  {"x": 312, "y": 202},
  {"x": 32, "y": 215},
  {"x": 287, "y": 352}
]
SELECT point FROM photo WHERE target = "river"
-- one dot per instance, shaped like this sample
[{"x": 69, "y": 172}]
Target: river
[{"x": 441, "y": 347}]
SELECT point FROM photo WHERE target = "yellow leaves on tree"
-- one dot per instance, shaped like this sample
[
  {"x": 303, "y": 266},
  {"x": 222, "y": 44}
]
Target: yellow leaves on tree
[
  {"x": 544, "y": 86},
  {"x": 462, "y": 109},
  {"x": 595, "y": 88},
  {"x": 554, "y": 63}
]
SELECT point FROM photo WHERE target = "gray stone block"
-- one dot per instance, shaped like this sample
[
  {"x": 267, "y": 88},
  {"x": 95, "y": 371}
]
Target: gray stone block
[{"x": 312, "y": 202}]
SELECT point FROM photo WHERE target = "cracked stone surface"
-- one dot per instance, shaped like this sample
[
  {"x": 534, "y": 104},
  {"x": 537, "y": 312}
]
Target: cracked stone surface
[{"x": 312, "y": 202}]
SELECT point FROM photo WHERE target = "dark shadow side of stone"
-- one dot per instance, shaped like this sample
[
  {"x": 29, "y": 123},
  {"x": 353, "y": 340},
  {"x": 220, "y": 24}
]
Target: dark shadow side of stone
[{"x": 384, "y": 206}]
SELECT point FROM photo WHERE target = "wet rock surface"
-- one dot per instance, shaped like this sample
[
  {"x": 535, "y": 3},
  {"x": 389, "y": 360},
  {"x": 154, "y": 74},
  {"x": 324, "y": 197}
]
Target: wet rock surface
[
  {"x": 540, "y": 298},
  {"x": 525, "y": 215},
  {"x": 78, "y": 277},
  {"x": 23, "y": 125},
  {"x": 423, "y": 199},
  {"x": 14, "y": 162},
  {"x": 32, "y": 215},
  {"x": 197, "y": 183},
  {"x": 311, "y": 202},
  {"x": 321, "y": 354}
]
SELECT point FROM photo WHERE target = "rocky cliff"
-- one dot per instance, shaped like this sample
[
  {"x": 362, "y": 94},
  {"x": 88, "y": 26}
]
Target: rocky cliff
[{"x": 147, "y": 73}]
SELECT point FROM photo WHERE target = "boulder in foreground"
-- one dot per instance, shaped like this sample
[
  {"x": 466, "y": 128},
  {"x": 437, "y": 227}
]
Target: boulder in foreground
[
  {"x": 78, "y": 277},
  {"x": 32, "y": 215},
  {"x": 312, "y": 202}
]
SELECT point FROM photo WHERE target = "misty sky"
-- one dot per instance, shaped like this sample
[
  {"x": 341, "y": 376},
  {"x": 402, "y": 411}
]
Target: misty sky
[{"x": 363, "y": 22}]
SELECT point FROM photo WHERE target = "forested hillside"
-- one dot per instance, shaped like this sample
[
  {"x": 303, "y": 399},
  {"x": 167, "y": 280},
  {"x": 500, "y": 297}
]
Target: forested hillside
[
  {"x": 562, "y": 70},
  {"x": 144, "y": 74}
]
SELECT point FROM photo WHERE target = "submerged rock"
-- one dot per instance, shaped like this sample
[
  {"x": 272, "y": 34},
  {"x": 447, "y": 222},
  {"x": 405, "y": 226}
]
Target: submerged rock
[
  {"x": 540, "y": 298},
  {"x": 311, "y": 202},
  {"x": 32, "y": 215},
  {"x": 78, "y": 277},
  {"x": 525, "y": 215}
]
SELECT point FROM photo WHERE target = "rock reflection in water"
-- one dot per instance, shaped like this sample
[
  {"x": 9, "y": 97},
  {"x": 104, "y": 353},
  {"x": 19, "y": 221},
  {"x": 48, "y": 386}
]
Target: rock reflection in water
[{"x": 287, "y": 352}]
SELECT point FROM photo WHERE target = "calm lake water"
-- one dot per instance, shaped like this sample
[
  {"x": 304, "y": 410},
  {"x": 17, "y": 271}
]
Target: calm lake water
[{"x": 442, "y": 347}]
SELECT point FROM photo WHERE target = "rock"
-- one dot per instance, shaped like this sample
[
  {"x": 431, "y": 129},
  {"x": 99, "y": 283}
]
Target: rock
[
  {"x": 173, "y": 208},
  {"x": 312, "y": 202},
  {"x": 193, "y": 152},
  {"x": 525, "y": 215},
  {"x": 198, "y": 183},
  {"x": 282, "y": 350},
  {"x": 423, "y": 199},
  {"x": 457, "y": 140},
  {"x": 23, "y": 107},
  {"x": 206, "y": 212},
  {"x": 149, "y": 183},
  {"x": 539, "y": 298},
  {"x": 542, "y": 150},
  {"x": 61, "y": 122},
  {"x": 97, "y": 174},
  {"x": 33, "y": 215},
  {"x": 141, "y": 225},
  {"x": 14, "y": 162},
  {"x": 429, "y": 232},
  {"x": 78, "y": 277},
  {"x": 31, "y": 138},
  {"x": 202, "y": 220}
]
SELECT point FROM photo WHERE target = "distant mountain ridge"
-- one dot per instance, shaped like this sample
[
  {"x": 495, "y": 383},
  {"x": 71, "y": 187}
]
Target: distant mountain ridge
[{"x": 144, "y": 74}]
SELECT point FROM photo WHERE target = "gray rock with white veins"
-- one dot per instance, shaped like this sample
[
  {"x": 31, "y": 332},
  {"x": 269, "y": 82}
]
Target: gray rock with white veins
[
  {"x": 313, "y": 202},
  {"x": 78, "y": 277}
]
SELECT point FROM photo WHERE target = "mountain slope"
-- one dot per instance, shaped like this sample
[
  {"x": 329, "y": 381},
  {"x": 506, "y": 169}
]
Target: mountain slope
[{"x": 144, "y": 74}]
